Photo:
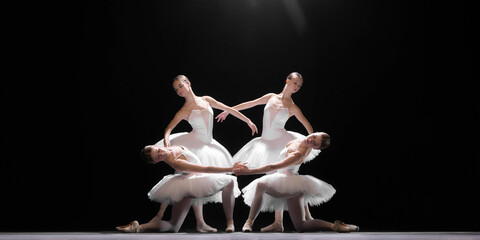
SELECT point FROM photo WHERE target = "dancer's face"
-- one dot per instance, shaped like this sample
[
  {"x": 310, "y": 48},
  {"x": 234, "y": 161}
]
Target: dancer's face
[
  {"x": 158, "y": 154},
  {"x": 181, "y": 87},
  {"x": 314, "y": 140},
  {"x": 294, "y": 84}
]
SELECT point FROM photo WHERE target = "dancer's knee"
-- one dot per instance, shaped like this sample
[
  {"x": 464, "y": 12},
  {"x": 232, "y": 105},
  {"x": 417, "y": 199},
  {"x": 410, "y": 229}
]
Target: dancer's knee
[
  {"x": 228, "y": 189},
  {"x": 261, "y": 186}
]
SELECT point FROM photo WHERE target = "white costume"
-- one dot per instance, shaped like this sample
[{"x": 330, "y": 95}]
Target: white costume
[
  {"x": 264, "y": 150},
  {"x": 287, "y": 181},
  {"x": 203, "y": 187},
  {"x": 200, "y": 140}
]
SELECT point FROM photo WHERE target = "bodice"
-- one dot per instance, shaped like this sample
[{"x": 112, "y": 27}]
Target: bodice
[
  {"x": 202, "y": 123},
  {"x": 274, "y": 120}
]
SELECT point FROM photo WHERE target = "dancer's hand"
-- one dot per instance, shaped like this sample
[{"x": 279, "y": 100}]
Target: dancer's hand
[
  {"x": 222, "y": 116},
  {"x": 253, "y": 127},
  {"x": 238, "y": 164},
  {"x": 240, "y": 169}
]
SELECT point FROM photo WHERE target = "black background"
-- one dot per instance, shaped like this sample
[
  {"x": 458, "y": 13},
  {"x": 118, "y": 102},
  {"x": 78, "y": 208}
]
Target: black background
[{"x": 88, "y": 84}]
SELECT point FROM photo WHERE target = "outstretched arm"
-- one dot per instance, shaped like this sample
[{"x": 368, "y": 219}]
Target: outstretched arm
[
  {"x": 216, "y": 104},
  {"x": 179, "y": 116},
  {"x": 261, "y": 100},
  {"x": 292, "y": 158},
  {"x": 185, "y": 166}
]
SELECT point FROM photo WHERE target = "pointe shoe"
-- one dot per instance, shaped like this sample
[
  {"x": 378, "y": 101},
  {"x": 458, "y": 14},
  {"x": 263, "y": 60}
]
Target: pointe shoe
[
  {"x": 230, "y": 229},
  {"x": 247, "y": 227},
  {"x": 132, "y": 227},
  {"x": 341, "y": 227}
]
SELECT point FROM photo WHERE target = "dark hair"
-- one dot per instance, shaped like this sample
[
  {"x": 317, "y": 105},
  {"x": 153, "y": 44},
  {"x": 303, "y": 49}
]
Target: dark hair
[
  {"x": 145, "y": 154},
  {"x": 325, "y": 140},
  {"x": 294, "y": 75}
]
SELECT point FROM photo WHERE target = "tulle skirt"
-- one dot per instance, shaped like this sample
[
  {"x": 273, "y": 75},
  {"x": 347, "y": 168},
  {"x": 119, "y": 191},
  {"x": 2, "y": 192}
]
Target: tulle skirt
[
  {"x": 203, "y": 188},
  {"x": 315, "y": 191},
  {"x": 208, "y": 150},
  {"x": 261, "y": 151}
]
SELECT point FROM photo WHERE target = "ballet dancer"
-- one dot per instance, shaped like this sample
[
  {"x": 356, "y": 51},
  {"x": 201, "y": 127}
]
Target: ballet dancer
[
  {"x": 287, "y": 190},
  {"x": 199, "y": 114},
  {"x": 265, "y": 149},
  {"x": 193, "y": 183}
]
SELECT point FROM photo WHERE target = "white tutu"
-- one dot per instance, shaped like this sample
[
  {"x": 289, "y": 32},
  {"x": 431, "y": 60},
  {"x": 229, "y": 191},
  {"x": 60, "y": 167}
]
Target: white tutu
[
  {"x": 315, "y": 191},
  {"x": 200, "y": 140},
  {"x": 288, "y": 182},
  {"x": 261, "y": 151},
  {"x": 211, "y": 153},
  {"x": 264, "y": 150},
  {"x": 203, "y": 188}
]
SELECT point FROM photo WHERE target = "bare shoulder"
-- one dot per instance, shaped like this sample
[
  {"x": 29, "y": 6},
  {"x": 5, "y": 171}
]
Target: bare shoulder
[
  {"x": 293, "y": 145},
  {"x": 265, "y": 98},
  {"x": 207, "y": 98},
  {"x": 184, "y": 112},
  {"x": 269, "y": 95}
]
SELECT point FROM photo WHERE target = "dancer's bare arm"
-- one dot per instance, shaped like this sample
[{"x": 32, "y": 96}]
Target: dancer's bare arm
[
  {"x": 216, "y": 104},
  {"x": 292, "y": 158},
  {"x": 261, "y": 100},
  {"x": 179, "y": 116},
  {"x": 295, "y": 110}
]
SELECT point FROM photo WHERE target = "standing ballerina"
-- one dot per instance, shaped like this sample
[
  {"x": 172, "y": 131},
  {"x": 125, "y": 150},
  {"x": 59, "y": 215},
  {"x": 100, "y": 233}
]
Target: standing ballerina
[
  {"x": 287, "y": 190},
  {"x": 265, "y": 149},
  {"x": 186, "y": 187},
  {"x": 199, "y": 114}
]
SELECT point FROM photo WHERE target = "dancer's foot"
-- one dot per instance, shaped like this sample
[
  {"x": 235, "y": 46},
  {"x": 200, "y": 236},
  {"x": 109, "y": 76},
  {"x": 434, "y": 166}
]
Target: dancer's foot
[
  {"x": 203, "y": 228},
  {"x": 230, "y": 227},
  {"x": 132, "y": 227},
  {"x": 274, "y": 227},
  {"x": 339, "y": 226},
  {"x": 247, "y": 227}
]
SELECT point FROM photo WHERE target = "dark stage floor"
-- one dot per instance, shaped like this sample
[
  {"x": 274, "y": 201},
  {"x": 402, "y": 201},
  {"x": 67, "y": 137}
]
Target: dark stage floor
[{"x": 240, "y": 235}]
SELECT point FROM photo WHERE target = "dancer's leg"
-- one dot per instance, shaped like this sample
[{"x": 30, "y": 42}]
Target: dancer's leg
[
  {"x": 150, "y": 226},
  {"x": 161, "y": 211},
  {"x": 297, "y": 214},
  {"x": 228, "y": 201},
  {"x": 277, "y": 225},
  {"x": 308, "y": 215},
  {"x": 179, "y": 212},
  {"x": 257, "y": 203},
  {"x": 255, "y": 207},
  {"x": 201, "y": 225}
]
